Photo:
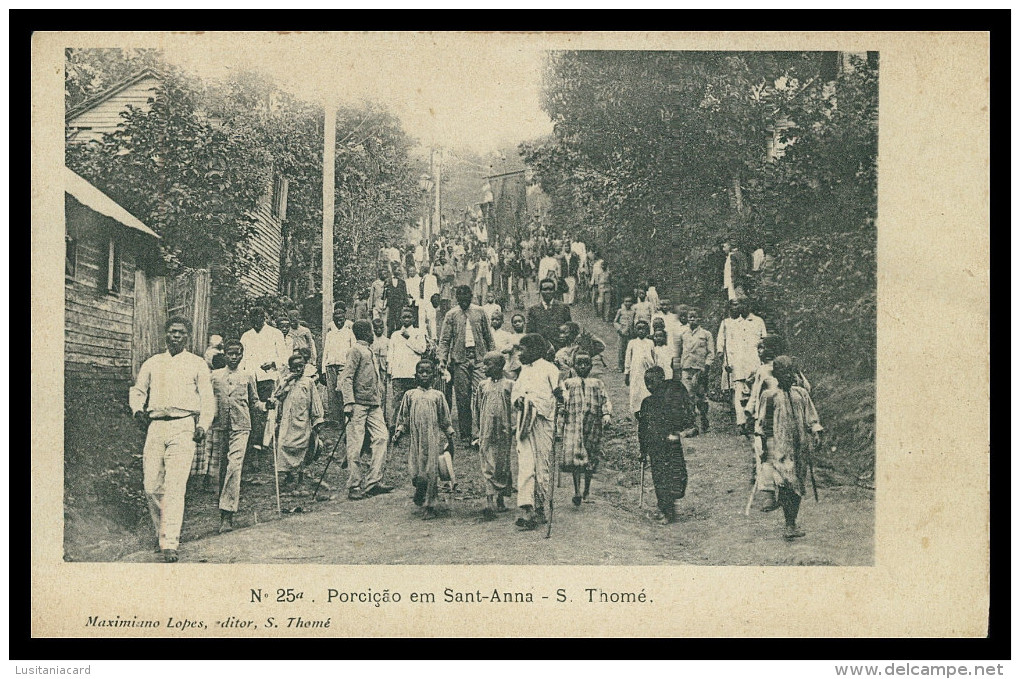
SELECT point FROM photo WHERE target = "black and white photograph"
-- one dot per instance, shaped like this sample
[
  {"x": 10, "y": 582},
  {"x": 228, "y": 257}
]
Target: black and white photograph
[
  {"x": 482, "y": 304},
  {"x": 628, "y": 305}
]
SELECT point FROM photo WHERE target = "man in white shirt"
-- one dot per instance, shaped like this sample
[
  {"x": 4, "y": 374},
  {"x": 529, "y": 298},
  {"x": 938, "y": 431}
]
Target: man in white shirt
[
  {"x": 596, "y": 274},
  {"x": 173, "y": 400},
  {"x": 335, "y": 347},
  {"x": 419, "y": 253},
  {"x": 549, "y": 267},
  {"x": 737, "y": 346},
  {"x": 414, "y": 284},
  {"x": 265, "y": 354},
  {"x": 407, "y": 346},
  {"x": 652, "y": 295},
  {"x": 420, "y": 289}
]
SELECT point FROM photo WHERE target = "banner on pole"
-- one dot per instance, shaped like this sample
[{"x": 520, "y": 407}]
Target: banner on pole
[{"x": 509, "y": 211}]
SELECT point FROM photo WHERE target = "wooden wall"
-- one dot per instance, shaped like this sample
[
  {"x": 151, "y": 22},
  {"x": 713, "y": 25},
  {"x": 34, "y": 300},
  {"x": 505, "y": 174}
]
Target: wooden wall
[
  {"x": 149, "y": 336},
  {"x": 188, "y": 295},
  {"x": 105, "y": 116},
  {"x": 266, "y": 242},
  {"x": 97, "y": 324}
]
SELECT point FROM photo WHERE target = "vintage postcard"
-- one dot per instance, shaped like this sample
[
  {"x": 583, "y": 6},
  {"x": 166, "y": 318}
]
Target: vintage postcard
[{"x": 503, "y": 334}]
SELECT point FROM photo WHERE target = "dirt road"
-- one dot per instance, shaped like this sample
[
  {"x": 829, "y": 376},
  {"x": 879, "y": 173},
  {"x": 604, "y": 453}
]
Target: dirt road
[{"x": 611, "y": 530}]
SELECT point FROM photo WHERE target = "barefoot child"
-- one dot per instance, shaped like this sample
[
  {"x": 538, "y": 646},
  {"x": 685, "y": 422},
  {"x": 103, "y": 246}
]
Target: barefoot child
[
  {"x": 785, "y": 435},
  {"x": 494, "y": 433},
  {"x": 300, "y": 416},
  {"x": 666, "y": 416},
  {"x": 425, "y": 416},
  {"x": 586, "y": 410},
  {"x": 639, "y": 359}
]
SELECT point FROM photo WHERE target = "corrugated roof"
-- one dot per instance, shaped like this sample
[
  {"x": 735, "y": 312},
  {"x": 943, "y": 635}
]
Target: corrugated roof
[{"x": 93, "y": 198}]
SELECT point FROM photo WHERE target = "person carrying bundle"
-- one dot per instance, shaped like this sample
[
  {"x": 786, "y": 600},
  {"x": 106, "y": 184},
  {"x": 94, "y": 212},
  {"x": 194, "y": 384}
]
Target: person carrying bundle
[
  {"x": 785, "y": 435},
  {"x": 534, "y": 397}
]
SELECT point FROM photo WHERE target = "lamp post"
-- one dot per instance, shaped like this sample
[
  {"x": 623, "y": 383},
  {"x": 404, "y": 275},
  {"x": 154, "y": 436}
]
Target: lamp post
[{"x": 425, "y": 185}]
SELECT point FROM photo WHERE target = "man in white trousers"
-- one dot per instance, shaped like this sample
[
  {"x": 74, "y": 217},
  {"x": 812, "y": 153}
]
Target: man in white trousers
[{"x": 173, "y": 400}]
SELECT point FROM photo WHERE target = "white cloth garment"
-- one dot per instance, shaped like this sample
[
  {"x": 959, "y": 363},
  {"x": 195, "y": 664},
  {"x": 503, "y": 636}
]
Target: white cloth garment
[
  {"x": 404, "y": 353},
  {"x": 174, "y": 386},
  {"x": 267, "y": 345},
  {"x": 337, "y": 344}
]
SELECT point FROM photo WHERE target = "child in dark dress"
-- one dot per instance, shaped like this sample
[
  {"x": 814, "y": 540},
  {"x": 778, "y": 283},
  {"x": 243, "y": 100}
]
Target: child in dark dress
[{"x": 666, "y": 417}]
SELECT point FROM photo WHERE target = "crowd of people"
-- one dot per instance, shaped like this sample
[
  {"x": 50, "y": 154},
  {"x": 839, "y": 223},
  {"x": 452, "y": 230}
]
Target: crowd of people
[{"x": 427, "y": 340}]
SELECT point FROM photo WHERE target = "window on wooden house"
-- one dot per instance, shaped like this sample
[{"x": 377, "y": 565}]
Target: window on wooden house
[
  {"x": 70, "y": 257},
  {"x": 279, "y": 204},
  {"x": 112, "y": 269}
]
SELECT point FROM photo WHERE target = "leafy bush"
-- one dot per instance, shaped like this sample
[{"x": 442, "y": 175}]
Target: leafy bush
[{"x": 102, "y": 453}]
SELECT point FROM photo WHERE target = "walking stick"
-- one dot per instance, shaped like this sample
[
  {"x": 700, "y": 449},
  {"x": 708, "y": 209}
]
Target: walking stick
[
  {"x": 641, "y": 502},
  {"x": 552, "y": 490},
  {"x": 329, "y": 461},
  {"x": 276, "y": 467},
  {"x": 754, "y": 483},
  {"x": 559, "y": 475},
  {"x": 811, "y": 469}
]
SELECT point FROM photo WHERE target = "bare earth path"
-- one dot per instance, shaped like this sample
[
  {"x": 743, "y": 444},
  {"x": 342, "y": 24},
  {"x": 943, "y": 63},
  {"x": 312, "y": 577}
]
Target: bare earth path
[{"x": 612, "y": 530}]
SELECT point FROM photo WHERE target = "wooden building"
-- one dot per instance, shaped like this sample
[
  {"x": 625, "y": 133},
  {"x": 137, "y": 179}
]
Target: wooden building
[
  {"x": 100, "y": 115},
  {"x": 114, "y": 296}
]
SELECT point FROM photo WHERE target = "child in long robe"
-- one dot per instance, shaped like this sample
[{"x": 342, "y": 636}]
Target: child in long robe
[
  {"x": 586, "y": 410},
  {"x": 666, "y": 416},
  {"x": 300, "y": 415},
  {"x": 494, "y": 433},
  {"x": 425, "y": 417},
  {"x": 639, "y": 359},
  {"x": 785, "y": 435},
  {"x": 769, "y": 347},
  {"x": 534, "y": 397}
]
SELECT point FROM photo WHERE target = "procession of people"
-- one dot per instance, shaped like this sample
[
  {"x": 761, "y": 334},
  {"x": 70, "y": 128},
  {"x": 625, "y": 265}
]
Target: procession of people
[{"x": 426, "y": 357}]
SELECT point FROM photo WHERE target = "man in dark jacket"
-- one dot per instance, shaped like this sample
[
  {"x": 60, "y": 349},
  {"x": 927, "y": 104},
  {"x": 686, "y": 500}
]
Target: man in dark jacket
[
  {"x": 464, "y": 340},
  {"x": 546, "y": 317},
  {"x": 395, "y": 295}
]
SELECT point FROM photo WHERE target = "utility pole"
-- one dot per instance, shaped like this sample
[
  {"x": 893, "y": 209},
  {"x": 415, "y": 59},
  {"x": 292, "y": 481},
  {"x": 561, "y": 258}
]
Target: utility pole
[
  {"x": 328, "y": 187},
  {"x": 437, "y": 223}
]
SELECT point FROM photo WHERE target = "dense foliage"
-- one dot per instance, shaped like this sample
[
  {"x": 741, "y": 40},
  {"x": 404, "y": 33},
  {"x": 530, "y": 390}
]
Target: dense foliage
[
  {"x": 658, "y": 156},
  {"x": 196, "y": 164}
]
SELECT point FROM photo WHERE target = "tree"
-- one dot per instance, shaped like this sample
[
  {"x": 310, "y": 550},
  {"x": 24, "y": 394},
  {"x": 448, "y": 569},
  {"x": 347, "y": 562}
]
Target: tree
[
  {"x": 656, "y": 156},
  {"x": 196, "y": 183},
  {"x": 88, "y": 71},
  {"x": 195, "y": 165}
]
